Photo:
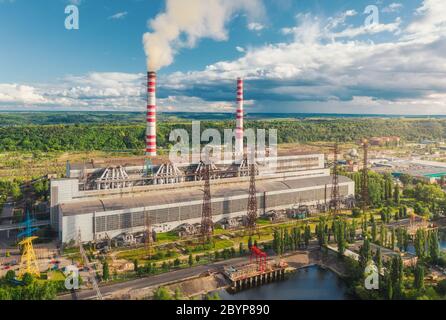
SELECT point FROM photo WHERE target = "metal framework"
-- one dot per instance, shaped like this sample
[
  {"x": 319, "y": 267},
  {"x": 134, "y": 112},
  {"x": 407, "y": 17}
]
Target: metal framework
[
  {"x": 335, "y": 194},
  {"x": 260, "y": 258},
  {"x": 149, "y": 236},
  {"x": 92, "y": 273},
  {"x": 207, "y": 225},
  {"x": 28, "y": 261},
  {"x": 168, "y": 173},
  {"x": 365, "y": 176},
  {"x": 252, "y": 200},
  {"x": 112, "y": 178}
]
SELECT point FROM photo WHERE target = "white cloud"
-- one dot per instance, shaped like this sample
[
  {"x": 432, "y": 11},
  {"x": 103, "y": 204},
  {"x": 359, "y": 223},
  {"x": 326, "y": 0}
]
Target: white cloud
[
  {"x": 430, "y": 21},
  {"x": 393, "y": 7},
  {"x": 191, "y": 20},
  {"x": 240, "y": 49},
  {"x": 94, "y": 91},
  {"x": 375, "y": 28},
  {"x": 119, "y": 15},
  {"x": 19, "y": 94},
  {"x": 255, "y": 26}
]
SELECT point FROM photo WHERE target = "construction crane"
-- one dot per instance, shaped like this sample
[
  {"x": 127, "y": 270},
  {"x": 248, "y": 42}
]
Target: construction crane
[
  {"x": 365, "y": 176},
  {"x": 86, "y": 263},
  {"x": 207, "y": 225},
  {"x": 28, "y": 261}
]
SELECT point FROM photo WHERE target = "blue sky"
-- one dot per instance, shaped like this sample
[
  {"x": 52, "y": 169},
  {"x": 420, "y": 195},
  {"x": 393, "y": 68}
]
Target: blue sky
[{"x": 295, "y": 56}]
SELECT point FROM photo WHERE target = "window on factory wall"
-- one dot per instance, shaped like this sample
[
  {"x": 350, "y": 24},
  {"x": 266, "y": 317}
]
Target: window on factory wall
[
  {"x": 217, "y": 208},
  {"x": 174, "y": 214},
  {"x": 162, "y": 215},
  {"x": 126, "y": 220},
  {"x": 185, "y": 212},
  {"x": 113, "y": 222},
  {"x": 138, "y": 219},
  {"x": 100, "y": 224}
]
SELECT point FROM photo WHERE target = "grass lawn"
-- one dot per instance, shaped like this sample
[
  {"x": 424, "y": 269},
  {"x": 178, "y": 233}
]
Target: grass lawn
[
  {"x": 56, "y": 275},
  {"x": 167, "y": 237}
]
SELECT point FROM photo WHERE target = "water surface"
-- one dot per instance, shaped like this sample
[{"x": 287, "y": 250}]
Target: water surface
[{"x": 312, "y": 283}]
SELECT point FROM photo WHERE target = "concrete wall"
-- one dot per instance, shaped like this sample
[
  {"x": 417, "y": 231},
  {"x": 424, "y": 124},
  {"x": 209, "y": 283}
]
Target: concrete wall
[{"x": 85, "y": 222}]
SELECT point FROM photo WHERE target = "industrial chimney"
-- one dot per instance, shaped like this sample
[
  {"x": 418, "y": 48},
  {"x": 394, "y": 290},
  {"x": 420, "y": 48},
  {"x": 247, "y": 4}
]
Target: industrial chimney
[
  {"x": 151, "y": 115},
  {"x": 239, "y": 116}
]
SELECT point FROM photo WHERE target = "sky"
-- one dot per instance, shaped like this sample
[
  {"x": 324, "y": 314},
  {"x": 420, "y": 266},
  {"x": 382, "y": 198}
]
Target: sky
[{"x": 296, "y": 56}]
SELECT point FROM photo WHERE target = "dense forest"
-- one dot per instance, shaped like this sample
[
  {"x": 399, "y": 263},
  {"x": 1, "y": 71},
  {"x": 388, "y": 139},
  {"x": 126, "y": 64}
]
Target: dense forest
[{"x": 126, "y": 131}]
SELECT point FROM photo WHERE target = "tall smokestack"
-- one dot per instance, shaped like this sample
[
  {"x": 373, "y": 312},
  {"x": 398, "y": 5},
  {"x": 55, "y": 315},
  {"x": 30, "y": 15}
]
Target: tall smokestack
[
  {"x": 239, "y": 116},
  {"x": 151, "y": 115}
]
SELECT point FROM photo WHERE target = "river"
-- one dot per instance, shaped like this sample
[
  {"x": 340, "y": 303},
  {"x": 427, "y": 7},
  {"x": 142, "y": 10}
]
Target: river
[{"x": 312, "y": 283}]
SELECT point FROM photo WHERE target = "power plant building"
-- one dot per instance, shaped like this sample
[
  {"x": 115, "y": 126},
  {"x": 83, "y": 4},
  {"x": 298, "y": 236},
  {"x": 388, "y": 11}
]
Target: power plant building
[{"x": 105, "y": 202}]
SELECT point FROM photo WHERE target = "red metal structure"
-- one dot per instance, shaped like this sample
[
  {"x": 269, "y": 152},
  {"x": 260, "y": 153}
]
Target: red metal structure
[{"x": 260, "y": 258}]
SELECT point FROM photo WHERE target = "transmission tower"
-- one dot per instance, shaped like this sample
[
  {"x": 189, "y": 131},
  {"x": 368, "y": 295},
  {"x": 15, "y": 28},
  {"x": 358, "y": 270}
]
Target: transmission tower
[
  {"x": 252, "y": 200},
  {"x": 207, "y": 226},
  {"x": 86, "y": 263},
  {"x": 28, "y": 261},
  {"x": 335, "y": 196},
  {"x": 365, "y": 177},
  {"x": 149, "y": 235}
]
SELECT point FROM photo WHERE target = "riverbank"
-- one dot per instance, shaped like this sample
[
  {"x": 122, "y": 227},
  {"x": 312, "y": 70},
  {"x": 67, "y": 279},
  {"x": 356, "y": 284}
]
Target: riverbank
[{"x": 198, "y": 287}]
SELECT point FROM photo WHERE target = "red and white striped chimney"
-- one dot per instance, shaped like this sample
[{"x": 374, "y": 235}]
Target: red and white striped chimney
[
  {"x": 239, "y": 125},
  {"x": 151, "y": 115}
]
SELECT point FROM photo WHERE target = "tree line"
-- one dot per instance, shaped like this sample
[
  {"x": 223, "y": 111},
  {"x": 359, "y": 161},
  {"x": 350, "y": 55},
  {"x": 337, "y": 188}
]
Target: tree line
[{"x": 117, "y": 135}]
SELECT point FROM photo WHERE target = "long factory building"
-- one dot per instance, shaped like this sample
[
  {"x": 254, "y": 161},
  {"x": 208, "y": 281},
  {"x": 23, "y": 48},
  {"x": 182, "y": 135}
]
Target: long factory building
[{"x": 88, "y": 204}]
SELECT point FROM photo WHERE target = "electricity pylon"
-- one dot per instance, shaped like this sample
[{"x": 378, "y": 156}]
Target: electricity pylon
[{"x": 28, "y": 261}]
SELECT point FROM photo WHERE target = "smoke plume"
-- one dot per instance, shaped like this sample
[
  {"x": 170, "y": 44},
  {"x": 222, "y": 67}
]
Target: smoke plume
[{"x": 185, "y": 22}]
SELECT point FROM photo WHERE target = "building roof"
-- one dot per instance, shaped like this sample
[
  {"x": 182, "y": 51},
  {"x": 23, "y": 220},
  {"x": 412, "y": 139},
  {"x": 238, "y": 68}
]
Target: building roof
[{"x": 190, "y": 194}]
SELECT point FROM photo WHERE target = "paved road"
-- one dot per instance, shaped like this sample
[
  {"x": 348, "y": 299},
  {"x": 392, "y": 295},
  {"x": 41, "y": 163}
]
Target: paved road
[
  {"x": 165, "y": 277},
  {"x": 154, "y": 280},
  {"x": 7, "y": 212},
  {"x": 17, "y": 226}
]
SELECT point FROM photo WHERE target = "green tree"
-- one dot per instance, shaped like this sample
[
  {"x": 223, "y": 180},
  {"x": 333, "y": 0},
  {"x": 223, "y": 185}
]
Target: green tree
[
  {"x": 135, "y": 265},
  {"x": 434, "y": 246},
  {"x": 374, "y": 234},
  {"x": 307, "y": 235},
  {"x": 105, "y": 271},
  {"x": 250, "y": 243},
  {"x": 162, "y": 294},
  {"x": 191, "y": 260},
  {"x": 214, "y": 296},
  {"x": 379, "y": 260},
  {"x": 396, "y": 194},
  {"x": 10, "y": 275},
  {"x": 178, "y": 295},
  {"x": 419, "y": 277},
  {"x": 27, "y": 279},
  {"x": 241, "y": 250}
]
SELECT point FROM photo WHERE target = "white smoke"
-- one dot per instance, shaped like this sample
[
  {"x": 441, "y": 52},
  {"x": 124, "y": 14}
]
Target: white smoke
[{"x": 185, "y": 22}]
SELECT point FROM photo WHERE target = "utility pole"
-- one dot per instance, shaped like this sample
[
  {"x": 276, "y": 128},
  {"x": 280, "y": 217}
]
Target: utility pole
[
  {"x": 149, "y": 235},
  {"x": 365, "y": 177},
  {"x": 334, "y": 204},
  {"x": 207, "y": 225},
  {"x": 252, "y": 200}
]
